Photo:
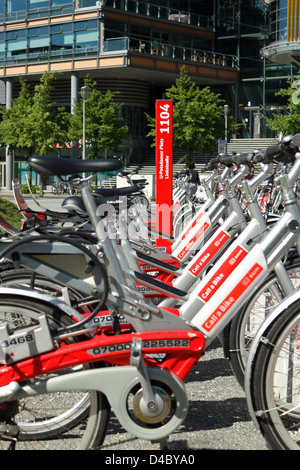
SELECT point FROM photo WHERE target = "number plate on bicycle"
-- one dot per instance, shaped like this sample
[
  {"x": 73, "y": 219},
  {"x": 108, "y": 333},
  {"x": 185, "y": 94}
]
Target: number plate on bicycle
[{"x": 26, "y": 342}]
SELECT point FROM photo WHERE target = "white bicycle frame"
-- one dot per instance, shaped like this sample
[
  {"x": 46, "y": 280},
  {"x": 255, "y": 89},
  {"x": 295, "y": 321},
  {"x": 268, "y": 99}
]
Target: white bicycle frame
[{"x": 238, "y": 271}]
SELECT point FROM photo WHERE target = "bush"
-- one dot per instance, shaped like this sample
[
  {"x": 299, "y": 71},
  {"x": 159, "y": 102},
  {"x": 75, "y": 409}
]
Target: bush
[
  {"x": 10, "y": 213},
  {"x": 35, "y": 189}
]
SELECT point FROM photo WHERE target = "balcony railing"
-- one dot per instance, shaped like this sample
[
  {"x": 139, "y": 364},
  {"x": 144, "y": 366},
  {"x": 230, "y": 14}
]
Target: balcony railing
[
  {"x": 41, "y": 12},
  {"x": 124, "y": 46},
  {"x": 161, "y": 12},
  {"x": 133, "y": 6}
]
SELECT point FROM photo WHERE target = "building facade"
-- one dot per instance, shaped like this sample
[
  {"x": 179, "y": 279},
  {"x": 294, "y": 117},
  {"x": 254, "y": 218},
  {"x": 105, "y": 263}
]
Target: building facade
[
  {"x": 284, "y": 32},
  {"x": 138, "y": 48}
]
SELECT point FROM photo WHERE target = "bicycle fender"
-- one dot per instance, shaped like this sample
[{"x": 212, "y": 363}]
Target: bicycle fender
[
  {"x": 289, "y": 300},
  {"x": 46, "y": 298},
  {"x": 117, "y": 383}
]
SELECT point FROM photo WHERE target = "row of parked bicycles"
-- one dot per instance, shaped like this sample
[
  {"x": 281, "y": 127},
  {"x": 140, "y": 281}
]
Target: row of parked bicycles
[{"x": 95, "y": 316}]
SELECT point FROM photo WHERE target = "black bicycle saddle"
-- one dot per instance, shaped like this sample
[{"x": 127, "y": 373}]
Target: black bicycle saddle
[
  {"x": 55, "y": 166},
  {"x": 125, "y": 191}
]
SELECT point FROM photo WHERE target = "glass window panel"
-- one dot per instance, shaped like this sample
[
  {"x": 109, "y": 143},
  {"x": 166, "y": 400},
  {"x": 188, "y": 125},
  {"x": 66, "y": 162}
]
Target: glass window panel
[
  {"x": 57, "y": 28},
  {"x": 55, "y": 3},
  {"x": 80, "y": 26},
  {"x": 16, "y": 45},
  {"x": 15, "y": 5},
  {"x": 92, "y": 24},
  {"x": 34, "y": 43},
  {"x": 283, "y": 3},
  {"x": 38, "y": 3},
  {"x": 62, "y": 40},
  {"x": 86, "y": 3},
  {"x": 21, "y": 33},
  {"x": 86, "y": 39},
  {"x": 33, "y": 32},
  {"x": 43, "y": 30},
  {"x": 11, "y": 34},
  {"x": 67, "y": 27}
]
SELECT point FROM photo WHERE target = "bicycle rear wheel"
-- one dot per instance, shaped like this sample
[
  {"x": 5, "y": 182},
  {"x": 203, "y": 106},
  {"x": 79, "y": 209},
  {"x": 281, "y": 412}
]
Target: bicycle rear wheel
[{"x": 68, "y": 420}]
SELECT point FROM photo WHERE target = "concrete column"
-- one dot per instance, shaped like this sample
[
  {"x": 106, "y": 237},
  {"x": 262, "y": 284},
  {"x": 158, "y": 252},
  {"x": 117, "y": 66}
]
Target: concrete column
[
  {"x": 74, "y": 98},
  {"x": 9, "y": 154},
  {"x": 256, "y": 131}
]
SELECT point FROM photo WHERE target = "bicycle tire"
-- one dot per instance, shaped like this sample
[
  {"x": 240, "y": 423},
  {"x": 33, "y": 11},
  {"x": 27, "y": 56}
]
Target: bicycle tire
[
  {"x": 274, "y": 378},
  {"x": 55, "y": 189},
  {"x": 38, "y": 427},
  {"x": 141, "y": 200},
  {"x": 246, "y": 323},
  {"x": 60, "y": 188}
]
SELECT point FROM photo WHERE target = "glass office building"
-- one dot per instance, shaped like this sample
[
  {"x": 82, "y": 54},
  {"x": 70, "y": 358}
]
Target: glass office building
[
  {"x": 138, "y": 47},
  {"x": 284, "y": 33}
]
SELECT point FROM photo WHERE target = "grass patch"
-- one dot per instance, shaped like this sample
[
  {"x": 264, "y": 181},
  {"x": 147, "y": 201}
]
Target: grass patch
[{"x": 10, "y": 213}]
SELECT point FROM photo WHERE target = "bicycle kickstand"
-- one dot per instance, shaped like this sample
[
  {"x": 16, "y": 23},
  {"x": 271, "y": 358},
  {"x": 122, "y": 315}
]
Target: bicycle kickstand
[{"x": 164, "y": 444}]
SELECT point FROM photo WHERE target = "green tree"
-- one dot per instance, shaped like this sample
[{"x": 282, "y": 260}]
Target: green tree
[
  {"x": 288, "y": 123},
  {"x": 33, "y": 123},
  {"x": 105, "y": 129},
  {"x": 49, "y": 124},
  {"x": 198, "y": 116},
  {"x": 15, "y": 121}
]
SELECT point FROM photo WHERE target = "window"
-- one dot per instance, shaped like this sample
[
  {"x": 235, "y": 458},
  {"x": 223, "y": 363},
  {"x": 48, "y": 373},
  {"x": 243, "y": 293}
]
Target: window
[
  {"x": 38, "y": 4},
  {"x": 37, "y": 43},
  {"x": 2, "y": 45},
  {"x": 80, "y": 26},
  {"x": 86, "y": 3},
  {"x": 18, "y": 45},
  {"x": 16, "y": 5},
  {"x": 87, "y": 34},
  {"x": 33, "y": 32},
  {"x": 86, "y": 39},
  {"x": 61, "y": 41},
  {"x": 58, "y": 3}
]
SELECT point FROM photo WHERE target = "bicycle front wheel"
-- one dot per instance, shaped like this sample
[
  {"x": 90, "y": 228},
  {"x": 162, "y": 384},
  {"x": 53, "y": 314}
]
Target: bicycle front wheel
[
  {"x": 141, "y": 200},
  {"x": 275, "y": 380},
  {"x": 245, "y": 324},
  {"x": 55, "y": 189},
  {"x": 68, "y": 420}
]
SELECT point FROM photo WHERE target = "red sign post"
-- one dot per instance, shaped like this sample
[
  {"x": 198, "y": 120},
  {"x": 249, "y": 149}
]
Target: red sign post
[{"x": 164, "y": 169}]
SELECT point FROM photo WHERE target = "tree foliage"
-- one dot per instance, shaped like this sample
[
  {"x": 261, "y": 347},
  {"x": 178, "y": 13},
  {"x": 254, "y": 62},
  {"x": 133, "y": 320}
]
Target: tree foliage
[
  {"x": 105, "y": 129},
  {"x": 198, "y": 116},
  {"x": 49, "y": 123},
  {"x": 15, "y": 120},
  {"x": 288, "y": 123},
  {"x": 34, "y": 123}
]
